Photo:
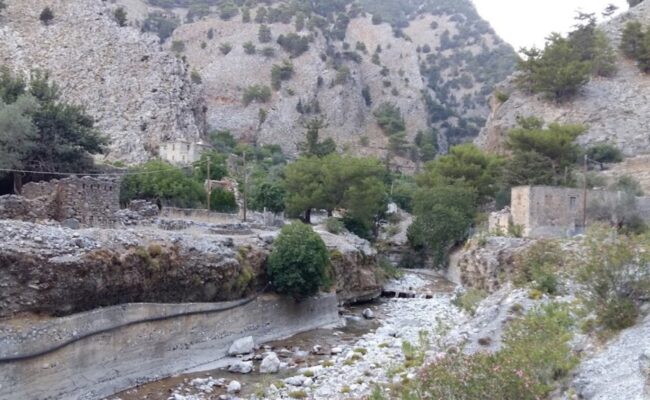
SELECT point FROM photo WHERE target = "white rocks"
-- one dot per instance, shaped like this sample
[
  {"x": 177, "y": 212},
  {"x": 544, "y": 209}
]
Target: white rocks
[
  {"x": 300, "y": 356},
  {"x": 234, "y": 387},
  {"x": 241, "y": 367},
  {"x": 242, "y": 346},
  {"x": 298, "y": 380},
  {"x": 336, "y": 350},
  {"x": 270, "y": 364},
  {"x": 368, "y": 314}
]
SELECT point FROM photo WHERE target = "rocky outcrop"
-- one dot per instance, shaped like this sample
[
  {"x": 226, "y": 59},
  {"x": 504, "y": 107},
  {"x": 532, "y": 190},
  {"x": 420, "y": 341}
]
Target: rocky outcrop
[
  {"x": 54, "y": 270},
  {"x": 615, "y": 109},
  {"x": 486, "y": 264},
  {"x": 139, "y": 94}
]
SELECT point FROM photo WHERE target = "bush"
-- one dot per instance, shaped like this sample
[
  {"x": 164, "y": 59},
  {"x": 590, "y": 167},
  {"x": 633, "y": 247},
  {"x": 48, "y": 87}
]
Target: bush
[
  {"x": 227, "y": 10},
  {"x": 614, "y": 269},
  {"x": 46, "y": 15},
  {"x": 196, "y": 77},
  {"x": 334, "y": 225},
  {"x": 539, "y": 265},
  {"x": 259, "y": 93},
  {"x": 294, "y": 44},
  {"x": 605, "y": 153},
  {"x": 160, "y": 24},
  {"x": 281, "y": 72},
  {"x": 501, "y": 96},
  {"x": 470, "y": 300},
  {"x": 225, "y": 48},
  {"x": 249, "y": 48},
  {"x": 178, "y": 46},
  {"x": 534, "y": 356},
  {"x": 120, "y": 16},
  {"x": 264, "y": 35},
  {"x": 298, "y": 262},
  {"x": 223, "y": 201}
]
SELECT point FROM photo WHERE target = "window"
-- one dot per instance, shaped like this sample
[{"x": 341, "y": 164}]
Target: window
[{"x": 573, "y": 201}]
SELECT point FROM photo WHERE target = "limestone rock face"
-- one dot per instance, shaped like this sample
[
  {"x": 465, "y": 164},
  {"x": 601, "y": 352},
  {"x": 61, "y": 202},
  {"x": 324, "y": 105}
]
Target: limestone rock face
[
  {"x": 615, "y": 110},
  {"x": 139, "y": 94}
]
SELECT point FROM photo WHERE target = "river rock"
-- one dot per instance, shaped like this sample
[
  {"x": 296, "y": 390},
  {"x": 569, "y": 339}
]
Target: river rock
[
  {"x": 234, "y": 387},
  {"x": 368, "y": 314},
  {"x": 298, "y": 380},
  {"x": 242, "y": 346},
  {"x": 241, "y": 367},
  {"x": 270, "y": 364},
  {"x": 300, "y": 356},
  {"x": 336, "y": 350},
  {"x": 284, "y": 353}
]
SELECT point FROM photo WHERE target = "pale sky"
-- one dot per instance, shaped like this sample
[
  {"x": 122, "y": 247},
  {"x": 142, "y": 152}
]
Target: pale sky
[{"x": 524, "y": 23}]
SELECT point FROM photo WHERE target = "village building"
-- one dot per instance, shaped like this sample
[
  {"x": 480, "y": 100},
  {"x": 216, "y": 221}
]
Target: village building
[{"x": 182, "y": 152}]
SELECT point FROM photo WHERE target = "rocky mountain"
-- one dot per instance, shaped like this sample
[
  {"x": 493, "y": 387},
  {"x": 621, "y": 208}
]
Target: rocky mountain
[
  {"x": 435, "y": 59},
  {"x": 139, "y": 94},
  {"x": 615, "y": 109}
]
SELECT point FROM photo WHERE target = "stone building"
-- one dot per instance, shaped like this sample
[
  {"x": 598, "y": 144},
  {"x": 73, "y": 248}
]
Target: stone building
[
  {"x": 182, "y": 152},
  {"x": 90, "y": 201},
  {"x": 550, "y": 211}
]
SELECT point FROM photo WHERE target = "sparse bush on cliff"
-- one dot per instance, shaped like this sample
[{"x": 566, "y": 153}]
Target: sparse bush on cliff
[
  {"x": 298, "y": 262},
  {"x": 605, "y": 153},
  {"x": 281, "y": 72},
  {"x": 120, "y": 16},
  {"x": 225, "y": 48},
  {"x": 47, "y": 15},
  {"x": 259, "y": 93}
]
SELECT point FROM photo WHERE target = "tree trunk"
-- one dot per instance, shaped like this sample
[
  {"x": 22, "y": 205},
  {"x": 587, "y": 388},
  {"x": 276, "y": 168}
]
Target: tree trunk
[
  {"x": 308, "y": 216},
  {"x": 18, "y": 183}
]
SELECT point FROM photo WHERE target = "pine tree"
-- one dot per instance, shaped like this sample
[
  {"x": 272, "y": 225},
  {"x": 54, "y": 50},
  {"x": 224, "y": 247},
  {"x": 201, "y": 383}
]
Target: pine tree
[{"x": 632, "y": 39}]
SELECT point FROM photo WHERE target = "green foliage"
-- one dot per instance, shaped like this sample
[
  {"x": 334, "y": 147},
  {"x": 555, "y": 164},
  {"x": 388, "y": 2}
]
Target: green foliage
[
  {"x": 18, "y": 134},
  {"x": 218, "y": 166},
  {"x": 443, "y": 216},
  {"x": 227, "y": 10},
  {"x": 334, "y": 225},
  {"x": 298, "y": 261},
  {"x": 11, "y": 87},
  {"x": 196, "y": 77},
  {"x": 294, "y": 44},
  {"x": 161, "y": 24},
  {"x": 246, "y": 15},
  {"x": 535, "y": 355},
  {"x": 258, "y": 93},
  {"x": 178, "y": 46},
  {"x": 390, "y": 119},
  {"x": 605, "y": 153},
  {"x": 47, "y": 15},
  {"x": 426, "y": 143},
  {"x": 632, "y": 39},
  {"x": 160, "y": 180},
  {"x": 120, "y": 16},
  {"x": 615, "y": 271},
  {"x": 465, "y": 165},
  {"x": 249, "y": 48},
  {"x": 501, "y": 96},
  {"x": 225, "y": 48},
  {"x": 268, "y": 196},
  {"x": 281, "y": 72},
  {"x": 264, "y": 35},
  {"x": 312, "y": 146},
  {"x": 222, "y": 200},
  {"x": 540, "y": 265},
  {"x": 469, "y": 300},
  {"x": 542, "y": 156}
]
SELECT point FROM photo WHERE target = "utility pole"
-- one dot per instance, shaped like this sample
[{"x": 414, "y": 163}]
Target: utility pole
[
  {"x": 209, "y": 184},
  {"x": 584, "y": 196},
  {"x": 245, "y": 190}
]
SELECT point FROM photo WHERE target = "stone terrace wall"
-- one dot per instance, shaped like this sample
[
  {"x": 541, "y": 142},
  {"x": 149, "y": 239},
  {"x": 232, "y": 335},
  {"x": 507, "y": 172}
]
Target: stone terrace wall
[{"x": 91, "y": 201}]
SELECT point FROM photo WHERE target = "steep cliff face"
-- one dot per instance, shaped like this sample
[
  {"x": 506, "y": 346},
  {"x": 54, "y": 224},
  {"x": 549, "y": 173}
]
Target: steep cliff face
[
  {"x": 436, "y": 60},
  {"x": 139, "y": 94},
  {"x": 615, "y": 110}
]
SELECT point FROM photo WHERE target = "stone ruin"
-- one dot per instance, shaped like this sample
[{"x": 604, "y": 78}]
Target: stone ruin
[{"x": 75, "y": 201}]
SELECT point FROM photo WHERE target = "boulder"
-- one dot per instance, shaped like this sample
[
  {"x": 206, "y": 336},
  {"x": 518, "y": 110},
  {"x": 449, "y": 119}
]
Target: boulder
[
  {"x": 242, "y": 346},
  {"x": 241, "y": 367},
  {"x": 368, "y": 314},
  {"x": 270, "y": 364},
  {"x": 234, "y": 387}
]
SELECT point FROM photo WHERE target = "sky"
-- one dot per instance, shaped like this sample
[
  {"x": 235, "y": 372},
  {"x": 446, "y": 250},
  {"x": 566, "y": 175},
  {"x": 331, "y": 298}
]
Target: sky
[{"x": 524, "y": 23}]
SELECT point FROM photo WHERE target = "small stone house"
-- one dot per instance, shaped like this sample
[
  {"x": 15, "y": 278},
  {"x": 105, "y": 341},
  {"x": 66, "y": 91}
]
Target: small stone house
[
  {"x": 88, "y": 200},
  {"x": 182, "y": 152},
  {"x": 550, "y": 211}
]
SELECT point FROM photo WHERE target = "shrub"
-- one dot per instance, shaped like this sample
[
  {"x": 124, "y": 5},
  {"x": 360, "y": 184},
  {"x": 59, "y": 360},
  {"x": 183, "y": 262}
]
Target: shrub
[
  {"x": 281, "y": 72},
  {"x": 225, "y": 48},
  {"x": 264, "y": 35},
  {"x": 249, "y": 48},
  {"x": 222, "y": 200},
  {"x": 605, "y": 153},
  {"x": 334, "y": 225},
  {"x": 469, "y": 300},
  {"x": 268, "y": 52},
  {"x": 501, "y": 96},
  {"x": 294, "y": 44},
  {"x": 46, "y": 15},
  {"x": 614, "y": 269},
  {"x": 120, "y": 16},
  {"x": 539, "y": 264},
  {"x": 534, "y": 356},
  {"x": 259, "y": 93},
  {"x": 196, "y": 77},
  {"x": 377, "y": 19},
  {"x": 227, "y": 10},
  {"x": 298, "y": 262},
  {"x": 161, "y": 24},
  {"x": 178, "y": 46}
]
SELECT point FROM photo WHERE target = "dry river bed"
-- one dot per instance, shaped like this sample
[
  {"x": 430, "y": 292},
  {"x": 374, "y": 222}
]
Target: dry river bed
[{"x": 344, "y": 362}]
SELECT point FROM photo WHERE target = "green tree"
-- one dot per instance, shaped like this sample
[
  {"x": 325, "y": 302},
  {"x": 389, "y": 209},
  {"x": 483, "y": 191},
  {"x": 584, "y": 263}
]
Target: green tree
[
  {"x": 304, "y": 186},
  {"x": 312, "y": 146},
  {"x": 46, "y": 16},
  {"x": 281, "y": 72},
  {"x": 465, "y": 165},
  {"x": 643, "y": 57},
  {"x": 160, "y": 180},
  {"x": 18, "y": 134},
  {"x": 605, "y": 153},
  {"x": 11, "y": 87},
  {"x": 632, "y": 39},
  {"x": 443, "y": 216},
  {"x": 218, "y": 167},
  {"x": 554, "y": 148},
  {"x": 222, "y": 200},
  {"x": 227, "y": 10},
  {"x": 298, "y": 262},
  {"x": 264, "y": 34},
  {"x": 120, "y": 16},
  {"x": 268, "y": 196},
  {"x": 259, "y": 93}
]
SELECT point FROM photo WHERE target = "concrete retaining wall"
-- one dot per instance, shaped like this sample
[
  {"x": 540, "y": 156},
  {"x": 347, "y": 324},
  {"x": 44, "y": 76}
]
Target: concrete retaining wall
[{"x": 104, "y": 364}]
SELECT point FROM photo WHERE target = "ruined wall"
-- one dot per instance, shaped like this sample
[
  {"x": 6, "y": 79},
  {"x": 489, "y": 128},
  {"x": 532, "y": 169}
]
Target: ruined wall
[
  {"x": 101, "y": 365},
  {"x": 500, "y": 221},
  {"x": 91, "y": 201}
]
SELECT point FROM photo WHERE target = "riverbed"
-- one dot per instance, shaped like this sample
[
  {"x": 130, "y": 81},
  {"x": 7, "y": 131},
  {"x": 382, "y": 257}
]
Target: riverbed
[{"x": 342, "y": 362}]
